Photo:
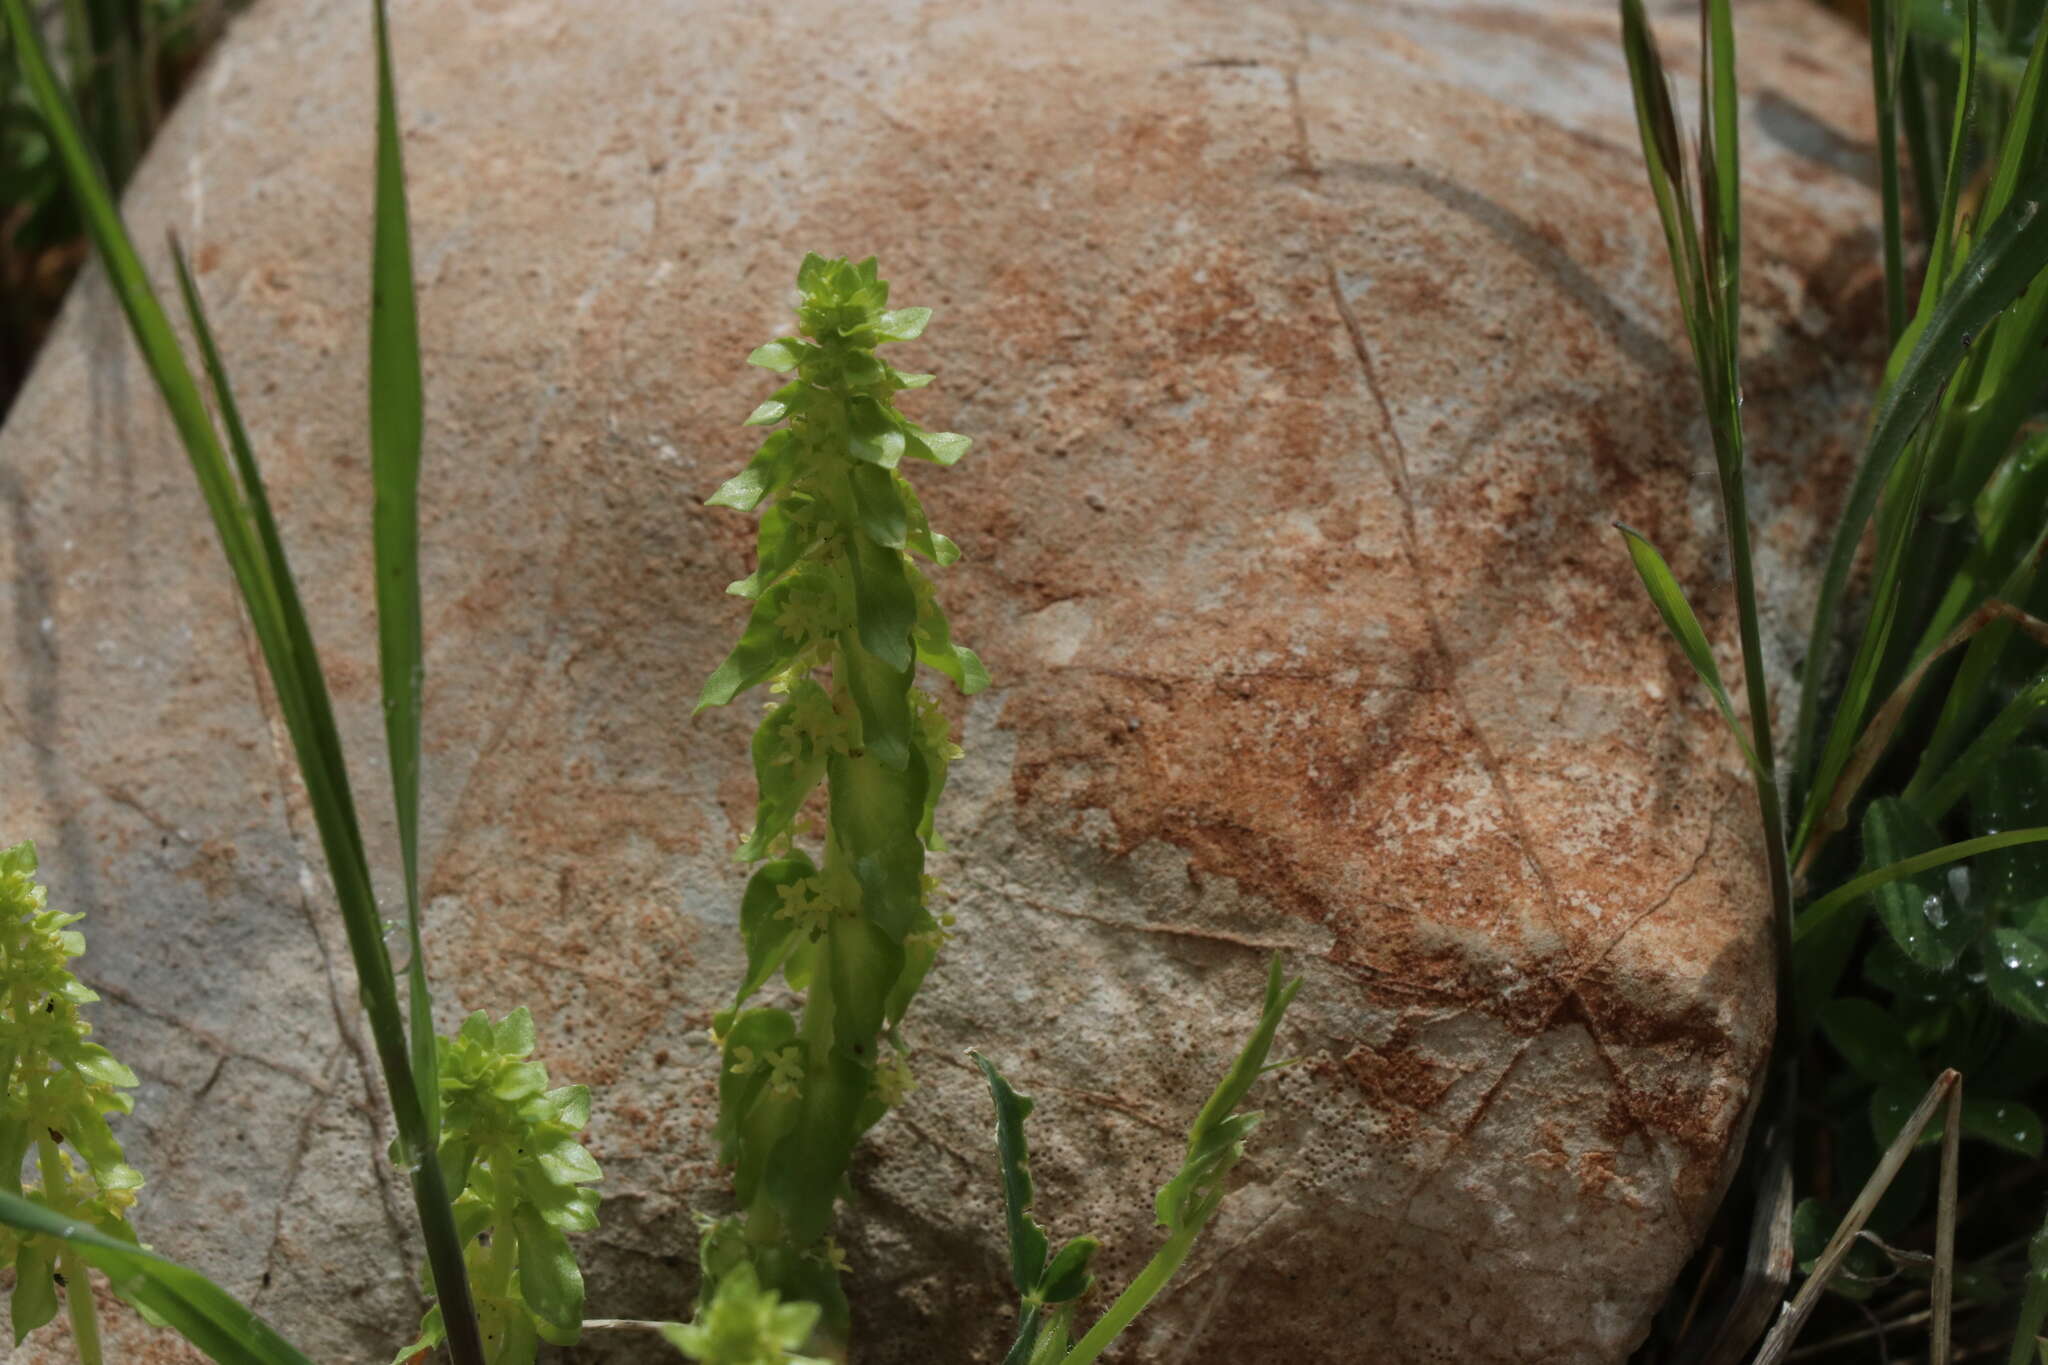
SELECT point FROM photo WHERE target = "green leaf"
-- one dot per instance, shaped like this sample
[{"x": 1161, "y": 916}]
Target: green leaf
[
  {"x": 772, "y": 466},
  {"x": 549, "y": 1281},
  {"x": 786, "y": 531},
  {"x": 1813, "y": 1223},
  {"x": 432, "y": 1334},
  {"x": 1216, "y": 1139},
  {"x": 809, "y": 1166},
  {"x": 1069, "y": 1276},
  {"x": 1872, "y": 1042},
  {"x": 879, "y": 505},
  {"x": 770, "y": 412},
  {"x": 781, "y": 355},
  {"x": 789, "y": 758},
  {"x": 192, "y": 1305},
  {"x": 513, "y": 1035},
  {"x": 1992, "y": 745},
  {"x": 1684, "y": 626},
  {"x": 520, "y": 1081},
  {"x": 1028, "y": 1244},
  {"x": 2016, "y": 973},
  {"x": 885, "y": 607},
  {"x": 874, "y": 435},
  {"x": 397, "y": 426},
  {"x": 753, "y": 1036},
  {"x": 34, "y": 1301},
  {"x": 935, "y": 647},
  {"x": 2003, "y": 1123},
  {"x": 938, "y": 447},
  {"x": 2011, "y": 794},
  {"x": 765, "y": 647},
  {"x": 902, "y": 324},
  {"x": 1922, "y": 914},
  {"x": 567, "y": 1163},
  {"x": 744, "y": 1324},
  {"x": 769, "y": 934},
  {"x": 881, "y": 697},
  {"x": 864, "y": 962}
]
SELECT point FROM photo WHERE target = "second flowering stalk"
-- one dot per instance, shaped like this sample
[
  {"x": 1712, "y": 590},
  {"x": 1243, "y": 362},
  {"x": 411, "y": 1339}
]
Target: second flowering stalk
[{"x": 842, "y": 617}]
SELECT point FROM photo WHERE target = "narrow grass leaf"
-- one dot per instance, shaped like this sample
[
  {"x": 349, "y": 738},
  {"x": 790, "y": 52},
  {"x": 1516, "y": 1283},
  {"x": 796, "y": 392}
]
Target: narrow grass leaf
[
  {"x": 192, "y": 1305},
  {"x": 1684, "y": 626},
  {"x": 396, "y": 432},
  {"x": 1992, "y": 744},
  {"x": 1822, "y": 912}
]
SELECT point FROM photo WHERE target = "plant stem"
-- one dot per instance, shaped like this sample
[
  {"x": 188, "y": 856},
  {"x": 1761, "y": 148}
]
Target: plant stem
[
  {"x": 85, "y": 1324},
  {"x": 1132, "y": 1301}
]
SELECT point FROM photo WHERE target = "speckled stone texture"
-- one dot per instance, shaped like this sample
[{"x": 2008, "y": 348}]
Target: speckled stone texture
[{"x": 1310, "y": 349}]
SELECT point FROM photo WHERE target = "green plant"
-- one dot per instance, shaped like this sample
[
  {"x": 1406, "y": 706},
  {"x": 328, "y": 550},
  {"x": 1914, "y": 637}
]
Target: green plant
[
  {"x": 508, "y": 1144},
  {"x": 1050, "y": 1287},
  {"x": 56, "y": 1089},
  {"x": 841, "y": 618},
  {"x": 1926, "y": 951}
]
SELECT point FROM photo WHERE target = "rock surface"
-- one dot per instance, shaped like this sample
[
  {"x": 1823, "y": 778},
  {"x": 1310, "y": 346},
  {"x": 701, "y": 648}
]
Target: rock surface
[{"x": 1310, "y": 349}]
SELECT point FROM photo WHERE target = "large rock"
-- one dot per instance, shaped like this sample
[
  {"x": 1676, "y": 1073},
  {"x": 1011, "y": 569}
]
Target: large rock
[{"x": 1310, "y": 350}]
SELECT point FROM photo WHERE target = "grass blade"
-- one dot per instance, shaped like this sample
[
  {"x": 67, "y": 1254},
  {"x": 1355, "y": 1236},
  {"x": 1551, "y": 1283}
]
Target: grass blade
[
  {"x": 1816, "y": 916},
  {"x": 1997, "y": 739},
  {"x": 396, "y": 427},
  {"x": 1878, "y": 735},
  {"x": 1684, "y": 626},
  {"x": 2005, "y": 259},
  {"x": 241, "y": 518},
  {"x": 195, "y": 1307}
]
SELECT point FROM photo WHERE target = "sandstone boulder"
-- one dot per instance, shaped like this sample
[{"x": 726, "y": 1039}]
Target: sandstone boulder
[{"x": 1310, "y": 349}]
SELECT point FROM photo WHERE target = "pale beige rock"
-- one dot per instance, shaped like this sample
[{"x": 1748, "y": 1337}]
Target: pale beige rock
[{"x": 1310, "y": 350}]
